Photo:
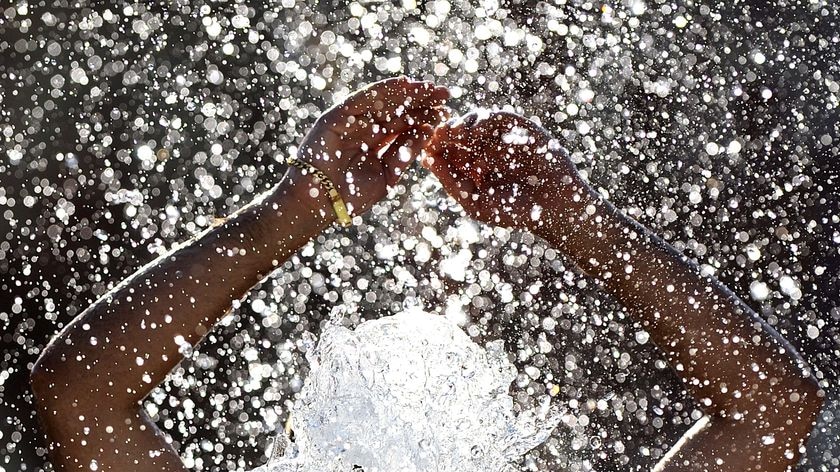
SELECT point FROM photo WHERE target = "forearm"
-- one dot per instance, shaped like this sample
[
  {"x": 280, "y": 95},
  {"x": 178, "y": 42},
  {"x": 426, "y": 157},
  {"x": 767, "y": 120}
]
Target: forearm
[
  {"x": 716, "y": 445},
  {"x": 127, "y": 342},
  {"x": 506, "y": 170},
  {"x": 715, "y": 342},
  {"x": 89, "y": 379},
  {"x": 755, "y": 387}
]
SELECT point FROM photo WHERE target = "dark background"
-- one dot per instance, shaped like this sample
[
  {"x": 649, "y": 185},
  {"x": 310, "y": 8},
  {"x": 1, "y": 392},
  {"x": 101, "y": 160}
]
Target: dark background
[{"x": 82, "y": 208}]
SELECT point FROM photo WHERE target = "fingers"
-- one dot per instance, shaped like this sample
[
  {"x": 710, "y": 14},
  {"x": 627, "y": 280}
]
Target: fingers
[
  {"x": 481, "y": 125},
  {"x": 405, "y": 121},
  {"x": 483, "y": 144},
  {"x": 375, "y": 135},
  {"x": 392, "y": 95},
  {"x": 403, "y": 151}
]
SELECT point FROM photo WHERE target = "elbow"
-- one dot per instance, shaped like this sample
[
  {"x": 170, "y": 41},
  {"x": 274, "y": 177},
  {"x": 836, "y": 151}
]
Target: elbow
[
  {"x": 39, "y": 377},
  {"x": 57, "y": 390},
  {"x": 50, "y": 380},
  {"x": 791, "y": 402},
  {"x": 42, "y": 380},
  {"x": 797, "y": 408},
  {"x": 811, "y": 399},
  {"x": 798, "y": 414}
]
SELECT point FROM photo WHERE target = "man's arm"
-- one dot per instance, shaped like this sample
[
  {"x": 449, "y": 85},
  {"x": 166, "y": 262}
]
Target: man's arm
[
  {"x": 760, "y": 399},
  {"x": 90, "y": 379},
  {"x": 757, "y": 391}
]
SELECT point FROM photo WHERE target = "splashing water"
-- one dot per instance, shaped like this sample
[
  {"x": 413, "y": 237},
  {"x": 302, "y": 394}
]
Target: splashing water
[
  {"x": 127, "y": 127},
  {"x": 409, "y": 392}
]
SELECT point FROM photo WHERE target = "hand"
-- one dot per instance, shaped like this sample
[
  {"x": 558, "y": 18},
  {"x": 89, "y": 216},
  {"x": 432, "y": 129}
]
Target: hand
[
  {"x": 504, "y": 169},
  {"x": 365, "y": 143}
]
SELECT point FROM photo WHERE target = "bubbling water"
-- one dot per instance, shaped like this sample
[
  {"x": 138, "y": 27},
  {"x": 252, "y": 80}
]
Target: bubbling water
[{"x": 409, "y": 392}]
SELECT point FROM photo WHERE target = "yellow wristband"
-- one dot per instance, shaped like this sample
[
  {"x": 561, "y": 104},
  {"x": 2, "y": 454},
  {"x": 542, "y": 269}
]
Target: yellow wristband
[{"x": 341, "y": 213}]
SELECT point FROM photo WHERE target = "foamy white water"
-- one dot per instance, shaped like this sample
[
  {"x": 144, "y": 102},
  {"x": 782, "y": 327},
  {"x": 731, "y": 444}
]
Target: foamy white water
[{"x": 409, "y": 392}]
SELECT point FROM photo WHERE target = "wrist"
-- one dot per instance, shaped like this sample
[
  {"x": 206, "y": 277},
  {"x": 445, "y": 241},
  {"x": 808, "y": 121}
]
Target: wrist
[
  {"x": 574, "y": 221},
  {"x": 311, "y": 197},
  {"x": 564, "y": 207},
  {"x": 294, "y": 212}
]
